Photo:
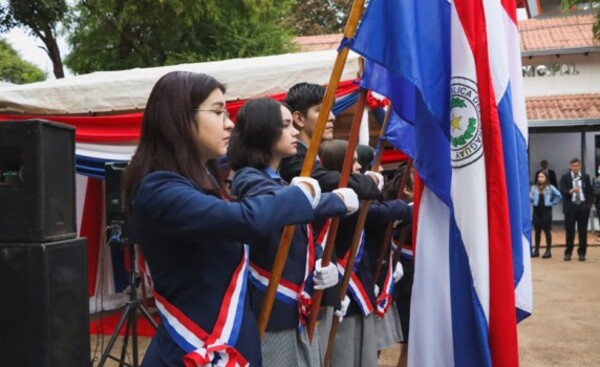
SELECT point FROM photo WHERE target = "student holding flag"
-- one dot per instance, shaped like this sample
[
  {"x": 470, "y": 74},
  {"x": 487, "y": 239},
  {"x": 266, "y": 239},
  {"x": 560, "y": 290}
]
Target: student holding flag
[
  {"x": 358, "y": 331},
  {"x": 191, "y": 234},
  {"x": 263, "y": 135},
  {"x": 305, "y": 100}
]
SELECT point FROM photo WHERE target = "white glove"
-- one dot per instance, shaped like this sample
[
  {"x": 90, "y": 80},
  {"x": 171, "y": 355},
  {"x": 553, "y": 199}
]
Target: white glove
[
  {"x": 349, "y": 198},
  {"x": 376, "y": 290},
  {"x": 342, "y": 311},
  {"x": 398, "y": 272},
  {"x": 325, "y": 277},
  {"x": 313, "y": 196},
  {"x": 378, "y": 178}
]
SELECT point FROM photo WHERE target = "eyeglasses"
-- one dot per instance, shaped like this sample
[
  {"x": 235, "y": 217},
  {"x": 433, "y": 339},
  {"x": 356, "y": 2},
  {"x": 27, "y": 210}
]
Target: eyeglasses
[{"x": 222, "y": 112}]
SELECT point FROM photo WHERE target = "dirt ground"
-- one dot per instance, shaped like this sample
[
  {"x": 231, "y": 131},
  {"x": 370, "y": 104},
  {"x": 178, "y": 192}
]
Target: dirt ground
[{"x": 564, "y": 329}]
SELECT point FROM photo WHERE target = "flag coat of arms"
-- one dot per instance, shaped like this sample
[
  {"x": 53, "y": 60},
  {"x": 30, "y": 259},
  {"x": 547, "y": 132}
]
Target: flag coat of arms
[{"x": 452, "y": 72}]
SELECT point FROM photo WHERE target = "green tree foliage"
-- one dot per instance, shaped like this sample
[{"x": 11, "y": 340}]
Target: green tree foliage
[
  {"x": 40, "y": 18},
  {"x": 14, "y": 69},
  {"x": 588, "y": 6},
  {"x": 122, "y": 34},
  {"x": 313, "y": 17}
]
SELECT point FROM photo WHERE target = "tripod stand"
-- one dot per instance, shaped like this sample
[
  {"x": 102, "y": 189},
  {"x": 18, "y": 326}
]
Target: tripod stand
[{"x": 129, "y": 315}]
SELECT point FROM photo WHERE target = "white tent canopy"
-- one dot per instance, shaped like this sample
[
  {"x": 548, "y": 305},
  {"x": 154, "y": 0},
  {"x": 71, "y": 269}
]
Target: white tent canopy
[{"x": 128, "y": 90}]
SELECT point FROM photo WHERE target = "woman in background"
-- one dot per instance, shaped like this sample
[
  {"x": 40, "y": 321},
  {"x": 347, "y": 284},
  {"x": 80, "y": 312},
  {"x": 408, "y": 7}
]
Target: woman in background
[{"x": 543, "y": 196}]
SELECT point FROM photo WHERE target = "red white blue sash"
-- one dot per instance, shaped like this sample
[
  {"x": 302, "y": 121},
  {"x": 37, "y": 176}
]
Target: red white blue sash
[
  {"x": 144, "y": 269},
  {"x": 406, "y": 251},
  {"x": 215, "y": 348},
  {"x": 355, "y": 287},
  {"x": 287, "y": 291},
  {"x": 384, "y": 300}
]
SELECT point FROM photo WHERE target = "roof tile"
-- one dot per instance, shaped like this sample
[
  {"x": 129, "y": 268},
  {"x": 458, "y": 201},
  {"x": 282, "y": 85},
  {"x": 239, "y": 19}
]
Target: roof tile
[
  {"x": 548, "y": 33},
  {"x": 564, "y": 107},
  {"x": 553, "y": 33},
  {"x": 319, "y": 43}
]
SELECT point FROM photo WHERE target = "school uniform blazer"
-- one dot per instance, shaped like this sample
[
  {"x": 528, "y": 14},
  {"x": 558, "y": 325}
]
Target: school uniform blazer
[
  {"x": 193, "y": 242},
  {"x": 380, "y": 215},
  {"x": 379, "y": 212},
  {"x": 363, "y": 185},
  {"x": 250, "y": 182}
]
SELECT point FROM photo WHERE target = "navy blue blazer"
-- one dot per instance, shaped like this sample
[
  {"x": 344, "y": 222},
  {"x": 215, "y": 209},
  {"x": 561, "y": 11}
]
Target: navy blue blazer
[
  {"x": 364, "y": 186},
  {"x": 193, "y": 242},
  {"x": 249, "y": 182},
  {"x": 379, "y": 213},
  {"x": 376, "y": 226}
]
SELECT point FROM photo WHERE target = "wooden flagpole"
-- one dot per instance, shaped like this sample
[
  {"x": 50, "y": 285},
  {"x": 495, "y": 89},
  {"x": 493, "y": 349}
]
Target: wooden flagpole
[
  {"x": 333, "y": 227},
  {"x": 311, "y": 155},
  {"x": 362, "y": 216},
  {"x": 388, "y": 231}
]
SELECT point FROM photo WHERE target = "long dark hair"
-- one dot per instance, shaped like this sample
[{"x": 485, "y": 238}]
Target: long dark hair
[
  {"x": 168, "y": 139},
  {"x": 390, "y": 189},
  {"x": 258, "y": 126},
  {"x": 546, "y": 184}
]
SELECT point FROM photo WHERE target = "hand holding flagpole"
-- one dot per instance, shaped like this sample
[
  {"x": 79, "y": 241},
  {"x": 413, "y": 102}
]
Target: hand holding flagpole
[
  {"x": 286, "y": 238},
  {"x": 362, "y": 216},
  {"x": 388, "y": 231}
]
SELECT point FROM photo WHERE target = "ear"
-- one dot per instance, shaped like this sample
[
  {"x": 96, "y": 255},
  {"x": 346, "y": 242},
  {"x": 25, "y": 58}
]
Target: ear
[{"x": 298, "y": 119}]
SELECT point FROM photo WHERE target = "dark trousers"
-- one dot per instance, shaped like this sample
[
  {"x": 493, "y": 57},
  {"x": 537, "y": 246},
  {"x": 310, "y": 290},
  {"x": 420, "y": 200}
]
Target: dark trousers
[
  {"x": 542, "y": 222},
  {"x": 577, "y": 214}
]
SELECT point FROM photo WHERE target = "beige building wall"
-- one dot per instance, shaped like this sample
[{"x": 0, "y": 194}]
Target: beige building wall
[{"x": 566, "y": 74}]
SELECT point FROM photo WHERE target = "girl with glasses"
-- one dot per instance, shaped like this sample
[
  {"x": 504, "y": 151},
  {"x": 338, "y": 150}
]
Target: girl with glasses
[{"x": 192, "y": 236}]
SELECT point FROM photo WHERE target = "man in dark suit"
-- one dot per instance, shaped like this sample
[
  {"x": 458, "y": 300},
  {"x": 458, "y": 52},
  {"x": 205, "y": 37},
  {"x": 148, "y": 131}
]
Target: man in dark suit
[
  {"x": 576, "y": 189},
  {"x": 550, "y": 173}
]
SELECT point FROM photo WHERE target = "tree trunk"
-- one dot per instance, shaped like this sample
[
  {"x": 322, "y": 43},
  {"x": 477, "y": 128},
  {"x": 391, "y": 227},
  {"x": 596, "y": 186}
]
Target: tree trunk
[{"x": 53, "y": 52}]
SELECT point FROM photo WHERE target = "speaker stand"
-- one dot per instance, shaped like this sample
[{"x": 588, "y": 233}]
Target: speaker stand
[{"x": 129, "y": 315}]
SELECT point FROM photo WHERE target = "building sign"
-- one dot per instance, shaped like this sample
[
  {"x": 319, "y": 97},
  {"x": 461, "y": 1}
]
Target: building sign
[{"x": 549, "y": 70}]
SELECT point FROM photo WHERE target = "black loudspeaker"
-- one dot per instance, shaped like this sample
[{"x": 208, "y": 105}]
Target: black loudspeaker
[
  {"x": 44, "y": 307},
  {"x": 37, "y": 181}
]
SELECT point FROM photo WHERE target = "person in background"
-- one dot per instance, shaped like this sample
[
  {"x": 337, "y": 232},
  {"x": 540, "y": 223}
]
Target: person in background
[
  {"x": 596, "y": 191},
  {"x": 190, "y": 232},
  {"x": 543, "y": 196},
  {"x": 365, "y": 155},
  {"x": 357, "y": 340},
  {"x": 403, "y": 248},
  {"x": 545, "y": 167},
  {"x": 576, "y": 189}
]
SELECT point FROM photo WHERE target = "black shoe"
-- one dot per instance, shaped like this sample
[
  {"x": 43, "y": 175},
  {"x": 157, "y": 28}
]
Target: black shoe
[
  {"x": 547, "y": 255},
  {"x": 581, "y": 257},
  {"x": 536, "y": 253},
  {"x": 567, "y": 257}
]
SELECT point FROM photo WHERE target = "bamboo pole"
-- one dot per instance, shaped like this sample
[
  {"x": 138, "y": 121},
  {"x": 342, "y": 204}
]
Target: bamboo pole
[{"x": 286, "y": 238}]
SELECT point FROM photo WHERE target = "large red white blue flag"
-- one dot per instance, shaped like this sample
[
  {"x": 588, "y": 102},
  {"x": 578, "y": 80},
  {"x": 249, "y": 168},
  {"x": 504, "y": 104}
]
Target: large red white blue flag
[{"x": 453, "y": 73}]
